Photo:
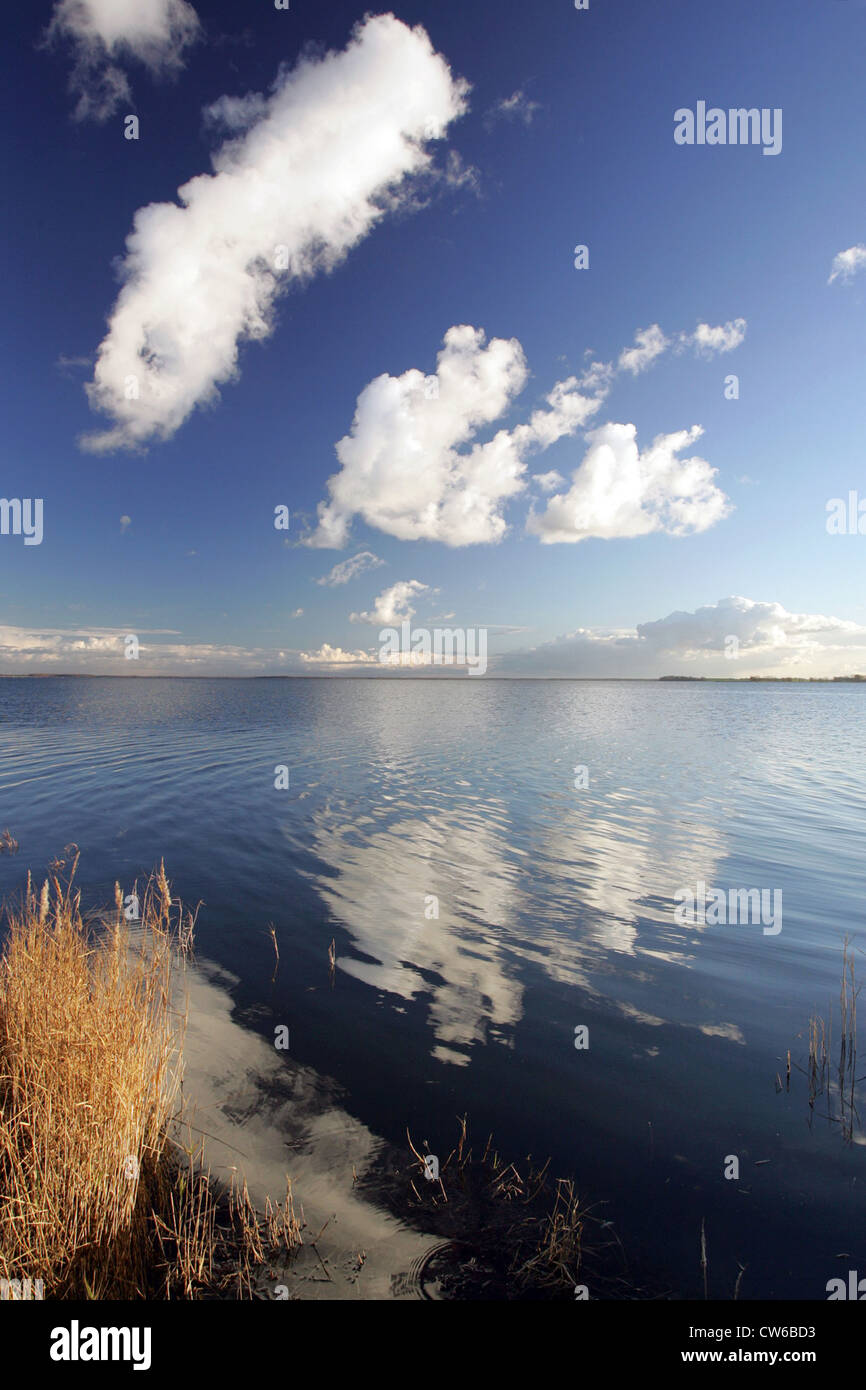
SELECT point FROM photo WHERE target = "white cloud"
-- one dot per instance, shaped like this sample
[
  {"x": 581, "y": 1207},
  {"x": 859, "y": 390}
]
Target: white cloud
[
  {"x": 393, "y": 605},
  {"x": 724, "y": 337},
  {"x": 549, "y": 482},
  {"x": 707, "y": 339},
  {"x": 617, "y": 491},
  {"x": 101, "y": 651},
  {"x": 45, "y": 645},
  {"x": 233, "y": 115},
  {"x": 847, "y": 263},
  {"x": 650, "y": 343},
  {"x": 67, "y": 365},
  {"x": 771, "y": 641},
  {"x": 336, "y": 656},
  {"x": 757, "y": 626},
  {"x": 568, "y": 407},
  {"x": 460, "y": 175},
  {"x": 347, "y": 570},
  {"x": 412, "y": 467},
  {"x": 105, "y": 33},
  {"x": 337, "y": 144},
  {"x": 517, "y": 107}
]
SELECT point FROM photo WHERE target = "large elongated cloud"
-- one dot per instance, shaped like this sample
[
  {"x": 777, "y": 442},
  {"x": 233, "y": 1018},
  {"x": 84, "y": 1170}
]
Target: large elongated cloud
[
  {"x": 309, "y": 171},
  {"x": 412, "y": 465},
  {"x": 105, "y": 33},
  {"x": 620, "y": 491}
]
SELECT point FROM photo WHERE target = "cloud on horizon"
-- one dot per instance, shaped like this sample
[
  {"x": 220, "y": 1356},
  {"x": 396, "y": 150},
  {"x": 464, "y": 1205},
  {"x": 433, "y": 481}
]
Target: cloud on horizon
[{"x": 768, "y": 640}]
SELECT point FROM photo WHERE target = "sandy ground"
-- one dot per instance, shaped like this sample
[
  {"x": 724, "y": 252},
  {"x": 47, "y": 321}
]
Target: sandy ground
[{"x": 268, "y": 1118}]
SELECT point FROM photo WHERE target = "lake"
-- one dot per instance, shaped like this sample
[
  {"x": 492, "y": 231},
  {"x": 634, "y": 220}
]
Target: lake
[{"x": 498, "y": 864}]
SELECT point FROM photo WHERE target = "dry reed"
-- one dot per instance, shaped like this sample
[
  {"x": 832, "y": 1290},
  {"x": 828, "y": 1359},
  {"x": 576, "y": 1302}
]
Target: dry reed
[{"x": 98, "y": 1198}]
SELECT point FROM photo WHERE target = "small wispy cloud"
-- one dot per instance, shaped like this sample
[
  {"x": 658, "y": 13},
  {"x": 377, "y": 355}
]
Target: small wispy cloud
[
  {"x": 847, "y": 263},
  {"x": 67, "y": 365},
  {"x": 549, "y": 482},
  {"x": 104, "y": 34},
  {"x": 649, "y": 344},
  {"x": 347, "y": 570},
  {"x": 723, "y": 337},
  {"x": 706, "y": 340},
  {"x": 517, "y": 107},
  {"x": 460, "y": 175}
]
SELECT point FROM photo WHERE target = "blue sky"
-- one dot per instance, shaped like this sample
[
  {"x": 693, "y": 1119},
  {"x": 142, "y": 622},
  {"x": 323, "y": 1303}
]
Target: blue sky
[{"x": 563, "y": 137}]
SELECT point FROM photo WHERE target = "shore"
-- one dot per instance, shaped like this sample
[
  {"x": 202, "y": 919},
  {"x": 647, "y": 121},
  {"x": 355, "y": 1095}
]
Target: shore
[{"x": 144, "y": 1133}]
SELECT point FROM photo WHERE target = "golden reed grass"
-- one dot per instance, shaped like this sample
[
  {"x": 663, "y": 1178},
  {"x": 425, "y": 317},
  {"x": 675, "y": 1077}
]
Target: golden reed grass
[{"x": 97, "y": 1197}]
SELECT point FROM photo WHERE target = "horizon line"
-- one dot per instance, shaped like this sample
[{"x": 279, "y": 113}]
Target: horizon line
[{"x": 856, "y": 679}]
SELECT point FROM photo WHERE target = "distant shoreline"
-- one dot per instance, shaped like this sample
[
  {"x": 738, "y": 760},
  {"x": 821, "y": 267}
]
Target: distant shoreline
[
  {"x": 597, "y": 680},
  {"x": 771, "y": 680}
]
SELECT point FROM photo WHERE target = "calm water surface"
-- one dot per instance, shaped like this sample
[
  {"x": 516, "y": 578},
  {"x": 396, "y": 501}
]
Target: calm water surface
[{"x": 555, "y": 909}]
